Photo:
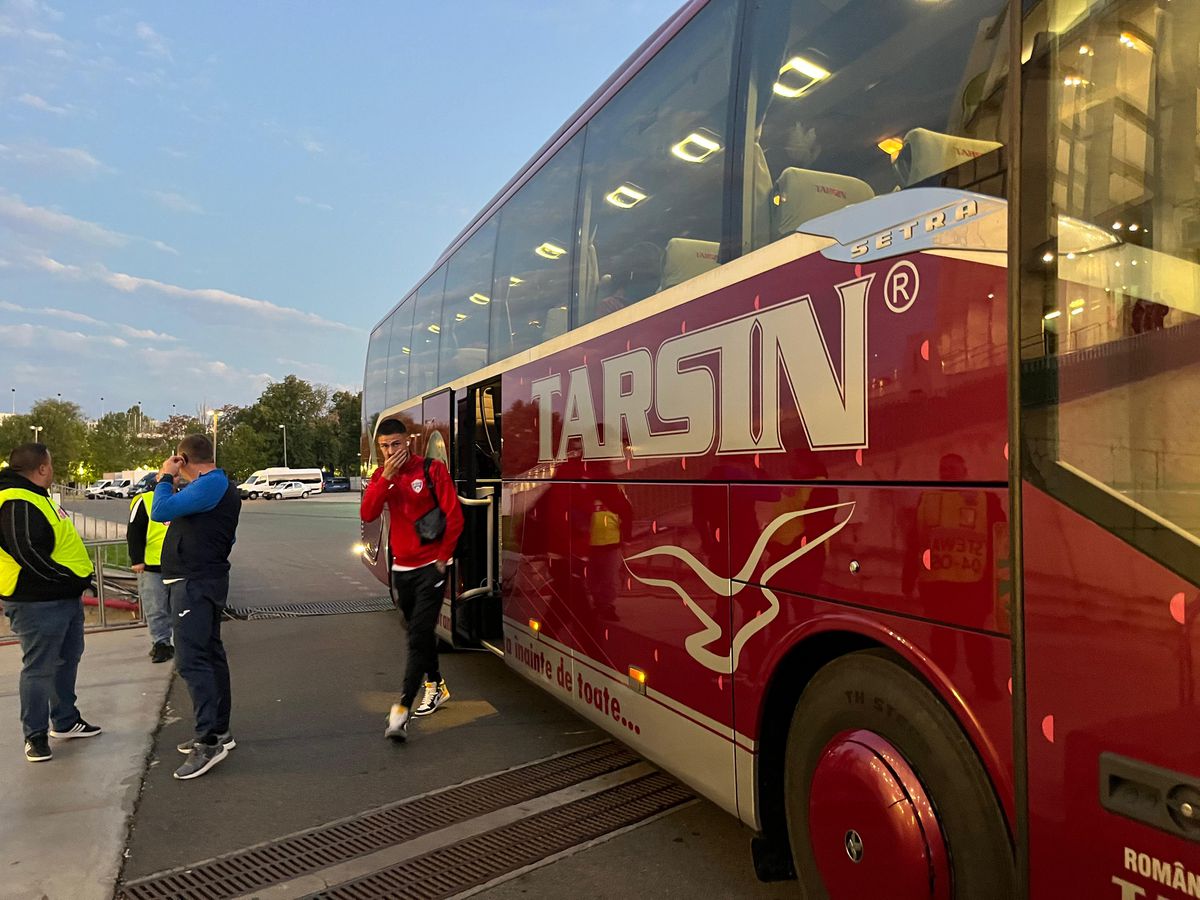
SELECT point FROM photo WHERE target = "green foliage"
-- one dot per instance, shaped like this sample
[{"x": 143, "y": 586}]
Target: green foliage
[{"x": 323, "y": 431}]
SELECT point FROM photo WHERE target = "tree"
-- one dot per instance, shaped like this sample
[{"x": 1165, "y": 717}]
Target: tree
[
  {"x": 109, "y": 448},
  {"x": 345, "y": 414},
  {"x": 298, "y": 405},
  {"x": 62, "y": 429}
]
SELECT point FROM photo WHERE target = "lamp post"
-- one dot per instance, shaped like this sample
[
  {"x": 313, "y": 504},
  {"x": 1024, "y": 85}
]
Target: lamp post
[
  {"x": 284, "y": 427},
  {"x": 215, "y": 414},
  {"x": 14, "y": 400},
  {"x": 37, "y": 432}
]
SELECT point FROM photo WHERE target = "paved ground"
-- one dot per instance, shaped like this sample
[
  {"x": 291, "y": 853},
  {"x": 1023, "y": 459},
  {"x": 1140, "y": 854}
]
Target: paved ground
[
  {"x": 63, "y": 822},
  {"x": 310, "y": 696}
]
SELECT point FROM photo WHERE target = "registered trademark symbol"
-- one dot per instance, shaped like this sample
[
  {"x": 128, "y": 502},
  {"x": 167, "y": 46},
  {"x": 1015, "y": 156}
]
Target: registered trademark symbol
[{"x": 901, "y": 287}]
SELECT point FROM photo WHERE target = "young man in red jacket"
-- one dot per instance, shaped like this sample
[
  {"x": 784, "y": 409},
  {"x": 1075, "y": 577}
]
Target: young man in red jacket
[{"x": 407, "y": 484}]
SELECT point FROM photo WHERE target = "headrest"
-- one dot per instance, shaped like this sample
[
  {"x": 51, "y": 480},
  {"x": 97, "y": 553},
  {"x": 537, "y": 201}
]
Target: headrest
[
  {"x": 803, "y": 194},
  {"x": 686, "y": 258},
  {"x": 928, "y": 153}
]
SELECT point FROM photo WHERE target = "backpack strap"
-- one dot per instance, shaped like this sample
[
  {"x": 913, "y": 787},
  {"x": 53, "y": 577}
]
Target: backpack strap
[{"x": 429, "y": 482}]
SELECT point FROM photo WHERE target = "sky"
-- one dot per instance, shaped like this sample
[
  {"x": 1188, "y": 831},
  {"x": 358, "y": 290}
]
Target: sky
[{"x": 199, "y": 198}]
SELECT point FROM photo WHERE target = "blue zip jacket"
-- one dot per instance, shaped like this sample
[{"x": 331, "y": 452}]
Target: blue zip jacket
[{"x": 204, "y": 518}]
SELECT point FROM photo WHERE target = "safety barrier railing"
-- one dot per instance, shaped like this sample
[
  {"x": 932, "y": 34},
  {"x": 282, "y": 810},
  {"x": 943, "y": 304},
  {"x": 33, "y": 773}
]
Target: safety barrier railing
[{"x": 113, "y": 604}]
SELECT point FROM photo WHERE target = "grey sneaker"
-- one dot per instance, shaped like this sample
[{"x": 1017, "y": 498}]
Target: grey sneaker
[
  {"x": 225, "y": 740},
  {"x": 201, "y": 758},
  {"x": 398, "y": 719}
]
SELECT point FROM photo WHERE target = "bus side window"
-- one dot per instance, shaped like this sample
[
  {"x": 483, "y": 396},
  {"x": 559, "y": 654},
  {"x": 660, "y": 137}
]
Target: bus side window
[
  {"x": 843, "y": 106},
  {"x": 651, "y": 194}
]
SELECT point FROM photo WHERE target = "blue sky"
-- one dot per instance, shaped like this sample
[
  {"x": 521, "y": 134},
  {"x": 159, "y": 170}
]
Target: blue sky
[{"x": 197, "y": 198}]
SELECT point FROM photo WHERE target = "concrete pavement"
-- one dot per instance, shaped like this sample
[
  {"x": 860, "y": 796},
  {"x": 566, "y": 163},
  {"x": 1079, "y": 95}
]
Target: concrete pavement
[{"x": 63, "y": 823}]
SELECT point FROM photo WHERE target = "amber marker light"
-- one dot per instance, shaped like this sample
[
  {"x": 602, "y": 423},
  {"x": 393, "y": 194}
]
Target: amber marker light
[
  {"x": 695, "y": 148},
  {"x": 480, "y": 299},
  {"x": 810, "y": 74},
  {"x": 891, "y": 146},
  {"x": 637, "y": 679},
  {"x": 535, "y": 626}
]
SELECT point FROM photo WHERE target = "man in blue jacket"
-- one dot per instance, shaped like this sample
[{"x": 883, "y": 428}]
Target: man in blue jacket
[{"x": 195, "y": 569}]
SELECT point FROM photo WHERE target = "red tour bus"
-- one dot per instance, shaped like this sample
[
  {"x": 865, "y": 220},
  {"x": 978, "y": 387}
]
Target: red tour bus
[{"x": 827, "y": 400}]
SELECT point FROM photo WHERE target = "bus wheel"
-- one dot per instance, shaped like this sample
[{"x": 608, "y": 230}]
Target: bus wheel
[{"x": 884, "y": 794}]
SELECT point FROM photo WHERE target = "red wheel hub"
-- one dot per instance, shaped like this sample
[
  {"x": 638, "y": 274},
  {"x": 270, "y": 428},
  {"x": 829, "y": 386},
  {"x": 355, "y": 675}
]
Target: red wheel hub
[{"x": 873, "y": 831}]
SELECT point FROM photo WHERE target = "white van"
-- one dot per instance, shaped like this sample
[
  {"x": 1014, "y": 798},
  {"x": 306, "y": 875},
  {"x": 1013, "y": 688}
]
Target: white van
[
  {"x": 96, "y": 490},
  {"x": 264, "y": 480}
]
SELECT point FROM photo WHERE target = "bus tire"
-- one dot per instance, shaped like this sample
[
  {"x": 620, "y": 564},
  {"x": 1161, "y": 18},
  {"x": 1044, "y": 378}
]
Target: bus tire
[{"x": 857, "y": 712}]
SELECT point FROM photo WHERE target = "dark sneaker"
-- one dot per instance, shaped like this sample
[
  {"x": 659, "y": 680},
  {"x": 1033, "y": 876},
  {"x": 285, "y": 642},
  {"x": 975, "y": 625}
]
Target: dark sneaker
[
  {"x": 80, "y": 729},
  {"x": 225, "y": 740},
  {"x": 436, "y": 693},
  {"x": 162, "y": 653},
  {"x": 398, "y": 719},
  {"x": 201, "y": 758},
  {"x": 37, "y": 748}
]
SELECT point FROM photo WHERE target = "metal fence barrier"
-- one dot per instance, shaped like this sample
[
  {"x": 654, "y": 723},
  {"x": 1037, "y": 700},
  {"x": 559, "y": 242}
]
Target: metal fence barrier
[{"x": 114, "y": 604}]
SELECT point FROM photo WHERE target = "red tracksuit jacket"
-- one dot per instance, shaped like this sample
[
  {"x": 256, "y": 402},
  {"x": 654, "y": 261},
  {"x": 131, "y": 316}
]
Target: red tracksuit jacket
[{"x": 407, "y": 498}]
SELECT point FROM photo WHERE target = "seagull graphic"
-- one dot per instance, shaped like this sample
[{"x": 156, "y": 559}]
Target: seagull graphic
[{"x": 697, "y": 644}]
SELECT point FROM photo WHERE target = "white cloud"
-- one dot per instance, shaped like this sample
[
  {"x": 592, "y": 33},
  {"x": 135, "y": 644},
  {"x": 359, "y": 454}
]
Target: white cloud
[
  {"x": 129, "y": 284},
  {"x": 155, "y": 44},
  {"x": 73, "y": 161},
  {"x": 22, "y": 217},
  {"x": 36, "y": 102},
  {"x": 309, "y": 201},
  {"x": 311, "y": 146},
  {"x": 177, "y": 202},
  {"x": 71, "y": 315}
]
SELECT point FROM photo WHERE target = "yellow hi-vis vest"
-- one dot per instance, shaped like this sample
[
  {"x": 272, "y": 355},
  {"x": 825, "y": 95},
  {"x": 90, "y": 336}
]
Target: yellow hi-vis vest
[
  {"x": 68, "y": 545},
  {"x": 155, "y": 531}
]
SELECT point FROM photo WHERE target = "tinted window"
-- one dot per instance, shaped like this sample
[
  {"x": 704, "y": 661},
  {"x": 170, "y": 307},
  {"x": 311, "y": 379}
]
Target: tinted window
[
  {"x": 850, "y": 99},
  {"x": 654, "y": 161},
  {"x": 467, "y": 308},
  {"x": 398, "y": 356},
  {"x": 426, "y": 335},
  {"x": 532, "y": 283},
  {"x": 1110, "y": 315},
  {"x": 374, "y": 380}
]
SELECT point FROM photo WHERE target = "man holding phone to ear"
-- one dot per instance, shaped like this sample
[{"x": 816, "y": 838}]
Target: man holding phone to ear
[
  {"x": 425, "y": 522},
  {"x": 195, "y": 570}
]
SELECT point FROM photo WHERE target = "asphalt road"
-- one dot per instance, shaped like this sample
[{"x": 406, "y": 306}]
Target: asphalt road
[{"x": 310, "y": 696}]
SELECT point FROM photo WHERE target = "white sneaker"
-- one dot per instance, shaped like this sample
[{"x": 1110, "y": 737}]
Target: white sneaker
[
  {"x": 397, "y": 729},
  {"x": 436, "y": 693}
]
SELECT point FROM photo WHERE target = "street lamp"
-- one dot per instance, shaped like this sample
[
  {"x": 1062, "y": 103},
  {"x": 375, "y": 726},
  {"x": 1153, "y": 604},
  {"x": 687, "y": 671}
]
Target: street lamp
[
  {"x": 214, "y": 413},
  {"x": 284, "y": 427},
  {"x": 14, "y": 399},
  {"x": 37, "y": 432}
]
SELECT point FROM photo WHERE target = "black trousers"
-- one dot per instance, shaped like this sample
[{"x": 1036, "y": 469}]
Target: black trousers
[
  {"x": 420, "y": 592},
  {"x": 196, "y": 606}
]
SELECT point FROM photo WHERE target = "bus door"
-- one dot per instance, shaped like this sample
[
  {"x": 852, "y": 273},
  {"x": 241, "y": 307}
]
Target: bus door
[
  {"x": 1108, "y": 389},
  {"x": 476, "y": 614},
  {"x": 437, "y": 442}
]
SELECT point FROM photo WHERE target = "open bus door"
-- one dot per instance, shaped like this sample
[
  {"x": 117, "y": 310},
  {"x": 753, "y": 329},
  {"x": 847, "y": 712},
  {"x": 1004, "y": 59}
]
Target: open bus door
[
  {"x": 476, "y": 612},
  {"x": 437, "y": 442}
]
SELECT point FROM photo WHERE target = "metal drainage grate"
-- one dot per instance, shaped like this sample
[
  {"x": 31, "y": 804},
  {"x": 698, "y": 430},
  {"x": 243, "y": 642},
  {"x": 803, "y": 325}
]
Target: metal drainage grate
[
  {"x": 318, "y": 608},
  {"x": 470, "y": 863},
  {"x": 319, "y": 848}
]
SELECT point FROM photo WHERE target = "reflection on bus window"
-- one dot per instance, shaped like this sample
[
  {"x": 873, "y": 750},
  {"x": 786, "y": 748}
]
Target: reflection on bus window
[
  {"x": 1112, "y": 320},
  {"x": 398, "y": 354},
  {"x": 467, "y": 308},
  {"x": 855, "y": 99},
  {"x": 650, "y": 200},
  {"x": 531, "y": 286},
  {"x": 426, "y": 335}
]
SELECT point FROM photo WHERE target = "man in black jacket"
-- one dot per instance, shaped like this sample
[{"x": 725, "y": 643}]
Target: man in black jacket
[
  {"x": 44, "y": 569},
  {"x": 195, "y": 569}
]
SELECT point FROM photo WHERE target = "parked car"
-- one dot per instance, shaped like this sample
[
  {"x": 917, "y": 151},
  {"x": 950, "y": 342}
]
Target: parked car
[
  {"x": 264, "y": 482},
  {"x": 95, "y": 490},
  {"x": 288, "y": 490},
  {"x": 336, "y": 484},
  {"x": 121, "y": 488}
]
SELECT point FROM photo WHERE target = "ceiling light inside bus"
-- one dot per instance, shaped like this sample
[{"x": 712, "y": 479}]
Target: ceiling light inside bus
[
  {"x": 1053, "y": 314},
  {"x": 696, "y": 148},
  {"x": 461, "y": 317},
  {"x": 513, "y": 279},
  {"x": 435, "y": 329},
  {"x": 627, "y": 196},
  {"x": 548, "y": 250},
  {"x": 891, "y": 146},
  {"x": 1077, "y": 303},
  {"x": 806, "y": 75},
  {"x": 480, "y": 299},
  {"x": 405, "y": 350}
]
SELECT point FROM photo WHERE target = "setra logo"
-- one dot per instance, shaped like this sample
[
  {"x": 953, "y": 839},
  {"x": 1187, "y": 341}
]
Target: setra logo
[{"x": 738, "y": 373}]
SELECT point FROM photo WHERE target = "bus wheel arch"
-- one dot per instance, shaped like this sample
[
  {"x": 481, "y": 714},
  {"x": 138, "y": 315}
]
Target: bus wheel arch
[{"x": 867, "y": 729}]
